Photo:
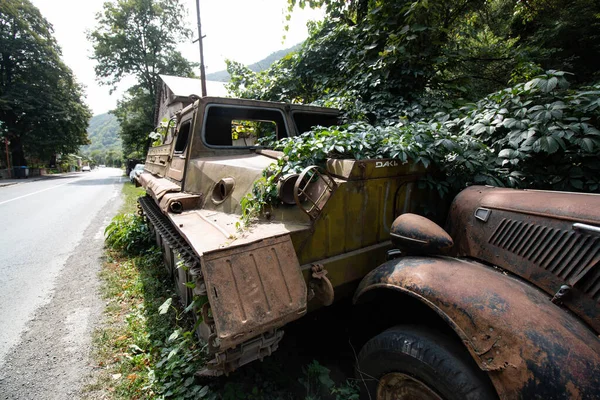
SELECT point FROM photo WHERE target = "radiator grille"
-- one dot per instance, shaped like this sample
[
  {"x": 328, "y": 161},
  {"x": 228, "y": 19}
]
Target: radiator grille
[{"x": 569, "y": 255}]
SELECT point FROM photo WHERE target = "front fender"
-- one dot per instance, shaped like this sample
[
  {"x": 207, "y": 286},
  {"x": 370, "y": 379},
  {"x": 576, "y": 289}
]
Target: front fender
[{"x": 530, "y": 347}]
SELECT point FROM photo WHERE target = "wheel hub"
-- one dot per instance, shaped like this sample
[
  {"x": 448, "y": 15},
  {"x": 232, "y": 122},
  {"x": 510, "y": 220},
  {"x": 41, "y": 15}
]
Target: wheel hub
[{"x": 398, "y": 386}]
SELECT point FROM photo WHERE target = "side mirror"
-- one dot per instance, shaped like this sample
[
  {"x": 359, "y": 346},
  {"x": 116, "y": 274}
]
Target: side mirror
[{"x": 415, "y": 234}]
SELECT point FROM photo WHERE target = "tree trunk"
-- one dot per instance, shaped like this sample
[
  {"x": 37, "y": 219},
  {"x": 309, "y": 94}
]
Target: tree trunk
[{"x": 16, "y": 149}]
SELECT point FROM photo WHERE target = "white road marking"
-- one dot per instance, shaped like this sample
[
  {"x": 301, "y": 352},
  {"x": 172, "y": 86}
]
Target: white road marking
[
  {"x": 31, "y": 194},
  {"x": 39, "y": 191}
]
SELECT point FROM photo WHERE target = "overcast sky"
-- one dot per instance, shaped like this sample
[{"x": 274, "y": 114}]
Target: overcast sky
[{"x": 242, "y": 30}]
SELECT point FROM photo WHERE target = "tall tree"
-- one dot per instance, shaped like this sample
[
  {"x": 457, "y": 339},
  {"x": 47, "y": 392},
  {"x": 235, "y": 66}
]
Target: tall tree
[
  {"x": 138, "y": 38},
  {"x": 40, "y": 102},
  {"x": 135, "y": 112}
]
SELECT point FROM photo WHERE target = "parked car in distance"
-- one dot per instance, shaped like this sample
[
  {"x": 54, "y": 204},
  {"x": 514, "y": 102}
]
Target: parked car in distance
[
  {"x": 135, "y": 172},
  {"x": 86, "y": 168}
]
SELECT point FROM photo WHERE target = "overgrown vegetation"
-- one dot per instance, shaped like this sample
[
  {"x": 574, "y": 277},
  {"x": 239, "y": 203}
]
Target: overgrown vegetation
[
  {"x": 128, "y": 234},
  {"x": 379, "y": 60},
  {"x": 457, "y": 85},
  {"x": 143, "y": 353},
  {"x": 537, "y": 134},
  {"x": 146, "y": 348}
]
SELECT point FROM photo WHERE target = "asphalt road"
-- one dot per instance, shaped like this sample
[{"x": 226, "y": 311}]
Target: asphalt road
[{"x": 51, "y": 238}]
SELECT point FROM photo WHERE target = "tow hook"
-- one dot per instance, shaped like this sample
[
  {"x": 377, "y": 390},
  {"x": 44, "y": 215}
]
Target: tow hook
[{"x": 319, "y": 286}]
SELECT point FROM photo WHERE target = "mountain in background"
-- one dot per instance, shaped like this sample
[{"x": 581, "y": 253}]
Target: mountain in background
[
  {"x": 103, "y": 132},
  {"x": 223, "y": 76}
]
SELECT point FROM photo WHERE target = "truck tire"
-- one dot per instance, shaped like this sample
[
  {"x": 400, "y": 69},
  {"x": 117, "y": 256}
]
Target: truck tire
[{"x": 412, "y": 362}]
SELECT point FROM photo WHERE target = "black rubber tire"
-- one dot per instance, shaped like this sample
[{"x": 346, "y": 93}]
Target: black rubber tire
[{"x": 434, "y": 359}]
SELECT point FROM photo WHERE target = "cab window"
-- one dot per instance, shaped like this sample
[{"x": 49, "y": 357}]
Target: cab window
[
  {"x": 242, "y": 127},
  {"x": 182, "y": 137},
  {"x": 306, "y": 121}
]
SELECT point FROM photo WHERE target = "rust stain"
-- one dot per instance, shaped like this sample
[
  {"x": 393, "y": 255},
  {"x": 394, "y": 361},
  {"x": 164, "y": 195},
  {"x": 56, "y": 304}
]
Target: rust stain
[
  {"x": 257, "y": 292},
  {"x": 512, "y": 330},
  {"x": 535, "y": 234}
]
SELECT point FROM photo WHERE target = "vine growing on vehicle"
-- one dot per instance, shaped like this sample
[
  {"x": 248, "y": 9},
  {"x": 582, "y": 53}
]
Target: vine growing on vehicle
[
  {"x": 537, "y": 134},
  {"x": 426, "y": 143}
]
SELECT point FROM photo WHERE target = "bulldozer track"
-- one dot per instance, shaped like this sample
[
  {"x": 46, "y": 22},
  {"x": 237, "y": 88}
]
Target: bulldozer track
[
  {"x": 221, "y": 362},
  {"x": 169, "y": 234}
]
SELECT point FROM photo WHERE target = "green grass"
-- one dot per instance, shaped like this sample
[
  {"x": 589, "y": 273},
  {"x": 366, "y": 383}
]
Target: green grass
[
  {"x": 130, "y": 196},
  {"x": 143, "y": 354},
  {"x": 125, "y": 345}
]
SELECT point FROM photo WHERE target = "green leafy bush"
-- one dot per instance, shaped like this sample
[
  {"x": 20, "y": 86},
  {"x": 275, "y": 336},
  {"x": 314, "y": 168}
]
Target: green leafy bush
[
  {"x": 181, "y": 356},
  {"x": 542, "y": 134},
  {"x": 460, "y": 159},
  {"x": 129, "y": 234}
]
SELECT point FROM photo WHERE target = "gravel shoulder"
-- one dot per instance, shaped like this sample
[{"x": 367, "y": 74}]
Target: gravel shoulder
[{"x": 53, "y": 359}]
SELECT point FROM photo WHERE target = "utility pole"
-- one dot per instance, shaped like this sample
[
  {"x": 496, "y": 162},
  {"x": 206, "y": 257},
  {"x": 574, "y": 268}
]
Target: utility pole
[{"x": 202, "y": 73}]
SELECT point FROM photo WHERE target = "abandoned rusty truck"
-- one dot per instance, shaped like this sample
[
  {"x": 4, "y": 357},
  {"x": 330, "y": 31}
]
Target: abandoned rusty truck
[{"x": 503, "y": 303}]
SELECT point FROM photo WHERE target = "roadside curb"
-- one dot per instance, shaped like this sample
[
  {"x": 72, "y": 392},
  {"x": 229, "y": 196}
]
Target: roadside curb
[
  {"x": 35, "y": 179},
  {"x": 20, "y": 181}
]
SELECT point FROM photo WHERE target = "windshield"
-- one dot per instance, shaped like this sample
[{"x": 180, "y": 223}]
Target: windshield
[{"x": 139, "y": 167}]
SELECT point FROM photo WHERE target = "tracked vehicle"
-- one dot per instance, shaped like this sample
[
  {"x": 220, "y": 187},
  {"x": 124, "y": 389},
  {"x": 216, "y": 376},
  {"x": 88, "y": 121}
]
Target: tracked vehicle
[{"x": 504, "y": 302}]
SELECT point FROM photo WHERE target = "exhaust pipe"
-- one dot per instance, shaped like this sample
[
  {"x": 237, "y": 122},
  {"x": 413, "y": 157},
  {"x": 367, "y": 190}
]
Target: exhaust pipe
[{"x": 176, "y": 207}]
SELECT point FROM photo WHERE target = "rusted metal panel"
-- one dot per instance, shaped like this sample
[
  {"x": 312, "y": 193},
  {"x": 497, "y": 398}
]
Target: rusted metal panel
[
  {"x": 535, "y": 235},
  {"x": 176, "y": 168},
  {"x": 359, "y": 214},
  {"x": 254, "y": 288},
  {"x": 576, "y": 207},
  {"x": 530, "y": 347},
  {"x": 158, "y": 159},
  {"x": 204, "y": 173},
  {"x": 372, "y": 169},
  {"x": 208, "y": 230}
]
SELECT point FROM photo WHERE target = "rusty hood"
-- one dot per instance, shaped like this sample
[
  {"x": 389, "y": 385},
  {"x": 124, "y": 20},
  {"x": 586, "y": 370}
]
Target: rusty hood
[
  {"x": 551, "y": 239},
  {"x": 575, "y": 207}
]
